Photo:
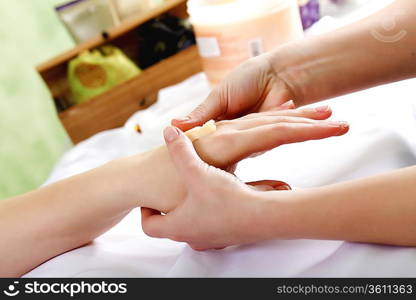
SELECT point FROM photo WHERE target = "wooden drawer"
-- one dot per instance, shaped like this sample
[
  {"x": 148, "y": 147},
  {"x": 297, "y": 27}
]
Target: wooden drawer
[{"x": 112, "y": 108}]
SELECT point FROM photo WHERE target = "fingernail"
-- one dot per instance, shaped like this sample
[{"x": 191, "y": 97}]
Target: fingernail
[
  {"x": 339, "y": 124},
  {"x": 322, "y": 109},
  {"x": 344, "y": 127},
  {"x": 183, "y": 119},
  {"x": 170, "y": 133}
]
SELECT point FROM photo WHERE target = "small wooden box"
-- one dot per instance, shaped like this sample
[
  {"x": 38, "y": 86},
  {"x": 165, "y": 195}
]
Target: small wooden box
[{"x": 112, "y": 108}]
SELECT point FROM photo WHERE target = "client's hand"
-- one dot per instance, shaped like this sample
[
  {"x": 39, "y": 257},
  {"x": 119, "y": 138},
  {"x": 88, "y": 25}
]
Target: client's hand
[
  {"x": 218, "y": 209},
  {"x": 237, "y": 139},
  {"x": 232, "y": 141}
]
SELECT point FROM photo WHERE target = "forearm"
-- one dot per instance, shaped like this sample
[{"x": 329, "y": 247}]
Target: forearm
[
  {"x": 68, "y": 214},
  {"x": 72, "y": 212},
  {"x": 351, "y": 58},
  {"x": 44, "y": 223},
  {"x": 379, "y": 209}
]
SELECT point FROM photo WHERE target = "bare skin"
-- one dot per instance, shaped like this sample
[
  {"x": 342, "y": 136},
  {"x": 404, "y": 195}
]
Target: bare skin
[
  {"x": 68, "y": 214},
  {"x": 379, "y": 209},
  {"x": 220, "y": 211},
  {"x": 316, "y": 68}
]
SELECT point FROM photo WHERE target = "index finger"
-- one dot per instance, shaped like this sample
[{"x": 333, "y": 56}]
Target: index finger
[{"x": 211, "y": 109}]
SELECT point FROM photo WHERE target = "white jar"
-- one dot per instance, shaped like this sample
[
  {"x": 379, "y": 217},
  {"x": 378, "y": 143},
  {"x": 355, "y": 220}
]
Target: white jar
[{"x": 228, "y": 32}]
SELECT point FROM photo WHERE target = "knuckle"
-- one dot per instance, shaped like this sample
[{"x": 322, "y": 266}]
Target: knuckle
[
  {"x": 199, "y": 110},
  {"x": 281, "y": 126},
  {"x": 285, "y": 119},
  {"x": 224, "y": 123},
  {"x": 276, "y": 119},
  {"x": 228, "y": 140}
]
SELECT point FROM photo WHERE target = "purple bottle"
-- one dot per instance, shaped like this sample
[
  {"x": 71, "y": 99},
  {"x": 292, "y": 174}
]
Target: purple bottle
[{"x": 309, "y": 12}]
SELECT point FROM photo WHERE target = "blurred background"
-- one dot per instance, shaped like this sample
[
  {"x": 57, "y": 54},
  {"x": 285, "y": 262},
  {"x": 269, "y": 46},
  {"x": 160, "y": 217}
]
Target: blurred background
[
  {"x": 34, "y": 31},
  {"x": 32, "y": 138}
]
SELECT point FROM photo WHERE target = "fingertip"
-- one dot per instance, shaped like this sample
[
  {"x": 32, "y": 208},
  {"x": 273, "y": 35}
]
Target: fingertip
[
  {"x": 170, "y": 134},
  {"x": 198, "y": 249},
  {"x": 345, "y": 127},
  {"x": 324, "y": 114},
  {"x": 323, "y": 109},
  {"x": 337, "y": 128},
  {"x": 149, "y": 220},
  {"x": 184, "y": 125},
  {"x": 183, "y": 119},
  {"x": 179, "y": 122},
  {"x": 320, "y": 112},
  {"x": 155, "y": 227}
]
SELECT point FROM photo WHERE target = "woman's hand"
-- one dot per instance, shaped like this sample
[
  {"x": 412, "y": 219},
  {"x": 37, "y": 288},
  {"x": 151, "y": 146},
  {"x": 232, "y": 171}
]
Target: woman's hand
[
  {"x": 317, "y": 68},
  {"x": 240, "y": 138},
  {"x": 218, "y": 210},
  {"x": 252, "y": 87},
  {"x": 233, "y": 141}
]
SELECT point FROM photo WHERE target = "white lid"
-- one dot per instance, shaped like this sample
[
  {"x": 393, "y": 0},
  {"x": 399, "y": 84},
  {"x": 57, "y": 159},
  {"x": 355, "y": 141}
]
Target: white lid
[{"x": 212, "y": 12}]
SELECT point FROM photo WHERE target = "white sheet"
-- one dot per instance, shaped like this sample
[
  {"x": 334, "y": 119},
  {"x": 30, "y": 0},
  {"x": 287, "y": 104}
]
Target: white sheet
[{"x": 382, "y": 138}]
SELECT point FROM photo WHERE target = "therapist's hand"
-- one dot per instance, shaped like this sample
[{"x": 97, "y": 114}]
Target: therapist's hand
[
  {"x": 252, "y": 87},
  {"x": 233, "y": 141},
  {"x": 218, "y": 209}
]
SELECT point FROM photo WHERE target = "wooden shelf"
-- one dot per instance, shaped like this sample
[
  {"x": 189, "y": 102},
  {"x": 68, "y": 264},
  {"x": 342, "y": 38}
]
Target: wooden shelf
[
  {"x": 112, "y": 34},
  {"x": 112, "y": 108}
]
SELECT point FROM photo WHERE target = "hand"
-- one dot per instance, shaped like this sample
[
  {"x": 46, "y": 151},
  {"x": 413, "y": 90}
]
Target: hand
[
  {"x": 233, "y": 140},
  {"x": 154, "y": 172},
  {"x": 218, "y": 209},
  {"x": 252, "y": 87}
]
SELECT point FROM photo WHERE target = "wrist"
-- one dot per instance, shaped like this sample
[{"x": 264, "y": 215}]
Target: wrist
[
  {"x": 126, "y": 177},
  {"x": 153, "y": 181},
  {"x": 286, "y": 63},
  {"x": 310, "y": 69},
  {"x": 285, "y": 214},
  {"x": 270, "y": 215}
]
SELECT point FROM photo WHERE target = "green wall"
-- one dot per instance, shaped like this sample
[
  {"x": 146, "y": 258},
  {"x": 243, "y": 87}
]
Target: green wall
[{"x": 31, "y": 137}]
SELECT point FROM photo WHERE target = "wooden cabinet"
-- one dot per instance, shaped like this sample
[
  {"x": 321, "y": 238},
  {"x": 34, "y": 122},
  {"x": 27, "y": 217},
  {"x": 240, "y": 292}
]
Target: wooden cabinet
[{"x": 112, "y": 108}]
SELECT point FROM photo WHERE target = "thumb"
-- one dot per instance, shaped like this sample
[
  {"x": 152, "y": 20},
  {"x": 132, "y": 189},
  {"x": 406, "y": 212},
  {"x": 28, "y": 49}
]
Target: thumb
[
  {"x": 184, "y": 157},
  {"x": 212, "y": 108}
]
